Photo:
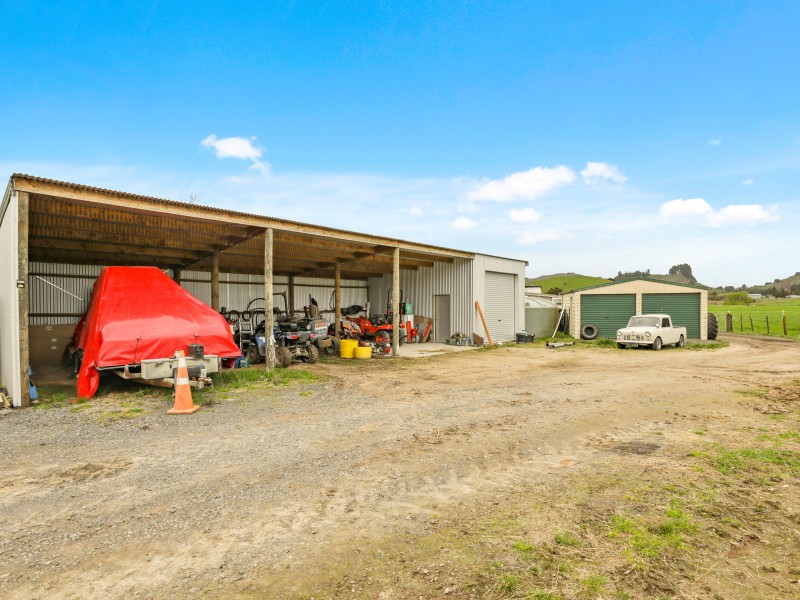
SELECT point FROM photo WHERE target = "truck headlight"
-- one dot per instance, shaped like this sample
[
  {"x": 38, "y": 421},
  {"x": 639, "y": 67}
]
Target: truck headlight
[{"x": 646, "y": 334}]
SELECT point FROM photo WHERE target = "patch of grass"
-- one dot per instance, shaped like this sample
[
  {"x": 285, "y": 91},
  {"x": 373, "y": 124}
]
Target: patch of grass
[
  {"x": 753, "y": 393},
  {"x": 605, "y": 343},
  {"x": 565, "y": 538},
  {"x": 540, "y": 595},
  {"x": 651, "y": 541},
  {"x": 743, "y": 460},
  {"x": 779, "y": 417},
  {"x": 306, "y": 393},
  {"x": 594, "y": 584},
  {"x": 700, "y": 432},
  {"x": 54, "y": 396},
  {"x": 708, "y": 346},
  {"x": 237, "y": 378},
  {"x": 509, "y": 584},
  {"x": 523, "y": 549}
]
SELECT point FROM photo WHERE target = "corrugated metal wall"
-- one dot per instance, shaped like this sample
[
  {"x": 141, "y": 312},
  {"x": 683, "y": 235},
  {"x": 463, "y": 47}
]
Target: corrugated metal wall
[
  {"x": 54, "y": 287},
  {"x": 419, "y": 287}
]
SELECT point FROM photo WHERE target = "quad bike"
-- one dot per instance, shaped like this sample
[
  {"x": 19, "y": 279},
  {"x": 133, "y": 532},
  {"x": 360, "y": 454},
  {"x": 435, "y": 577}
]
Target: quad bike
[{"x": 294, "y": 338}]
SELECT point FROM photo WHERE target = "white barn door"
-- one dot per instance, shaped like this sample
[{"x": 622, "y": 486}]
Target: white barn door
[{"x": 501, "y": 306}]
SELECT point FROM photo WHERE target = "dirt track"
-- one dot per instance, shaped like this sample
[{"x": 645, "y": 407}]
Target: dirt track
[{"x": 305, "y": 489}]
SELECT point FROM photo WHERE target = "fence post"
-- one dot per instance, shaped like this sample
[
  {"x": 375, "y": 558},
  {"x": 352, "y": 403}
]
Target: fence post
[
  {"x": 741, "y": 323},
  {"x": 752, "y": 327},
  {"x": 767, "y": 318},
  {"x": 783, "y": 317},
  {"x": 729, "y": 323}
]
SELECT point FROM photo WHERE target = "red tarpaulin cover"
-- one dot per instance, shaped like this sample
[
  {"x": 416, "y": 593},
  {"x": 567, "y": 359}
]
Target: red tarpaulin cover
[{"x": 139, "y": 313}]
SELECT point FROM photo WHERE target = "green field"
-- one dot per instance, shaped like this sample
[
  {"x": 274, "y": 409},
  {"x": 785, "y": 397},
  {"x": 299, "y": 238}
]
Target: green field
[
  {"x": 566, "y": 281},
  {"x": 759, "y": 310}
]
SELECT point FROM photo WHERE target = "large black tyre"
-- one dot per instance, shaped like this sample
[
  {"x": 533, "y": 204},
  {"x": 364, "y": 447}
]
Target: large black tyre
[
  {"x": 713, "y": 326},
  {"x": 252, "y": 354},
  {"x": 589, "y": 331},
  {"x": 657, "y": 344},
  {"x": 332, "y": 349},
  {"x": 282, "y": 357},
  {"x": 313, "y": 354}
]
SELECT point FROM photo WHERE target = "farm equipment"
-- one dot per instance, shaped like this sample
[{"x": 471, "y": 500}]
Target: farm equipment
[
  {"x": 294, "y": 338},
  {"x": 378, "y": 327}
]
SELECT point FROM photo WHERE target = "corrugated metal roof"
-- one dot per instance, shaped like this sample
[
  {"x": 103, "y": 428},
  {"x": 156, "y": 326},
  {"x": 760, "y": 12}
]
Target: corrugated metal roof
[{"x": 225, "y": 212}]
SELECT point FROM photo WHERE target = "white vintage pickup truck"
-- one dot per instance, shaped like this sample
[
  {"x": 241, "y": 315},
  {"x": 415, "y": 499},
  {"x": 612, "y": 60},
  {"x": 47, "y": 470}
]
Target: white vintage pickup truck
[{"x": 651, "y": 330}]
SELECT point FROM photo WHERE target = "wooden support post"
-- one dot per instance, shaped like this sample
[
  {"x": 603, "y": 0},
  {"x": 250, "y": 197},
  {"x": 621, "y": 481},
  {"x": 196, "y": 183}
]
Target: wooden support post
[
  {"x": 485, "y": 328},
  {"x": 215, "y": 281},
  {"x": 269, "y": 349},
  {"x": 741, "y": 323},
  {"x": 396, "y": 303},
  {"x": 22, "y": 275},
  {"x": 752, "y": 327},
  {"x": 291, "y": 296},
  {"x": 783, "y": 318},
  {"x": 767, "y": 318},
  {"x": 176, "y": 275},
  {"x": 337, "y": 294}
]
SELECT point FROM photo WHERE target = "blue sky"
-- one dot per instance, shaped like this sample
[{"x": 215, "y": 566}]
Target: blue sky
[{"x": 590, "y": 137}]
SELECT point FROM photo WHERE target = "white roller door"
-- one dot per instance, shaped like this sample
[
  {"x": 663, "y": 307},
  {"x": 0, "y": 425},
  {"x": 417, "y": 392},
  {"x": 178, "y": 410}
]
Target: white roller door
[{"x": 501, "y": 306}]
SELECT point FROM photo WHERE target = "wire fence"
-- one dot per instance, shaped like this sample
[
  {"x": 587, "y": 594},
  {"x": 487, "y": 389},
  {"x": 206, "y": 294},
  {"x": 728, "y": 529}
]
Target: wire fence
[{"x": 779, "y": 324}]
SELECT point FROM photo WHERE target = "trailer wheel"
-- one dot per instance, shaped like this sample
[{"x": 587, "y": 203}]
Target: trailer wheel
[{"x": 589, "y": 331}]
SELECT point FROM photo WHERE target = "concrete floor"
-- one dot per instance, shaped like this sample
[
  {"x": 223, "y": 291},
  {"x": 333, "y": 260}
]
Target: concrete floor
[{"x": 429, "y": 349}]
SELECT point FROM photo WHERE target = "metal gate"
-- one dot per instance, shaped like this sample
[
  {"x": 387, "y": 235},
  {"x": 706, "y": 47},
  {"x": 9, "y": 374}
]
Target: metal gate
[
  {"x": 608, "y": 312},
  {"x": 501, "y": 306},
  {"x": 683, "y": 308}
]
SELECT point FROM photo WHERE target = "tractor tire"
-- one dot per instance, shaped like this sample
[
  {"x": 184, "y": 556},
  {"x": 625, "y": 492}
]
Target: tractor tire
[
  {"x": 657, "y": 344},
  {"x": 313, "y": 355},
  {"x": 589, "y": 331},
  {"x": 713, "y": 326},
  {"x": 333, "y": 348}
]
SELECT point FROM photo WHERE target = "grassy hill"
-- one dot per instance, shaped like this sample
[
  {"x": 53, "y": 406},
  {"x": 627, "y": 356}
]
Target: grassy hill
[{"x": 565, "y": 281}]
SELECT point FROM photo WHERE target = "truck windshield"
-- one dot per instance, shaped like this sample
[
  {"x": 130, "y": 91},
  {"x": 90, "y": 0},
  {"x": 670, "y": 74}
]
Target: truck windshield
[{"x": 643, "y": 322}]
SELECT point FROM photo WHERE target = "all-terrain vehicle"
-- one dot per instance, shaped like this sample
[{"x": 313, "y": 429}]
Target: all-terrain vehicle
[{"x": 294, "y": 338}]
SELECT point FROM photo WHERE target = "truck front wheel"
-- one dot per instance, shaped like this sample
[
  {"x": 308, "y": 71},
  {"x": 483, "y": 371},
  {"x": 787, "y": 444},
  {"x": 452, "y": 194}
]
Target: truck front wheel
[{"x": 657, "y": 344}]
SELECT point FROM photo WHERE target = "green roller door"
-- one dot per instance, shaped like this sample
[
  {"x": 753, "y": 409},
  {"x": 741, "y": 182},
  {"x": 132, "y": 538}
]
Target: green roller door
[
  {"x": 683, "y": 308},
  {"x": 608, "y": 312}
]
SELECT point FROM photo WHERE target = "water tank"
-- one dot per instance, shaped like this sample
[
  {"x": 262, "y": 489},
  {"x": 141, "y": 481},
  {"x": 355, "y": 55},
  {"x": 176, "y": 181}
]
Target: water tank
[{"x": 541, "y": 316}]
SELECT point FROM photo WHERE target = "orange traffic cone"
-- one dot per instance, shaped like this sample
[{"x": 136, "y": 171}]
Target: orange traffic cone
[{"x": 183, "y": 391}]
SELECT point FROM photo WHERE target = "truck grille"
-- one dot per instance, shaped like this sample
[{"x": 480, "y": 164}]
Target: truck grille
[{"x": 634, "y": 338}]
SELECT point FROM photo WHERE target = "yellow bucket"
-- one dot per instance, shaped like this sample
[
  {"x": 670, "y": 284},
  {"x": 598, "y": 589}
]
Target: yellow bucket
[
  {"x": 346, "y": 348},
  {"x": 363, "y": 352}
]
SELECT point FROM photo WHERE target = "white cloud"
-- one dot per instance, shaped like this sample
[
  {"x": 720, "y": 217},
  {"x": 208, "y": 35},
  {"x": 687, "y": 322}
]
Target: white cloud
[
  {"x": 715, "y": 141},
  {"x": 733, "y": 214},
  {"x": 598, "y": 172},
  {"x": 237, "y": 147},
  {"x": 676, "y": 209},
  {"x": 748, "y": 182},
  {"x": 523, "y": 185},
  {"x": 535, "y": 237},
  {"x": 742, "y": 214},
  {"x": 464, "y": 223},
  {"x": 416, "y": 211},
  {"x": 524, "y": 215}
]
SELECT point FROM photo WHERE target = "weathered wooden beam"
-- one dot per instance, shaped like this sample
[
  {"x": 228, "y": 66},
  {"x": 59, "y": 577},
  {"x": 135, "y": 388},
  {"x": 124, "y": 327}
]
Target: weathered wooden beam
[
  {"x": 337, "y": 306},
  {"x": 215, "y": 281},
  {"x": 22, "y": 290},
  {"x": 396, "y": 304},
  {"x": 269, "y": 348}
]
